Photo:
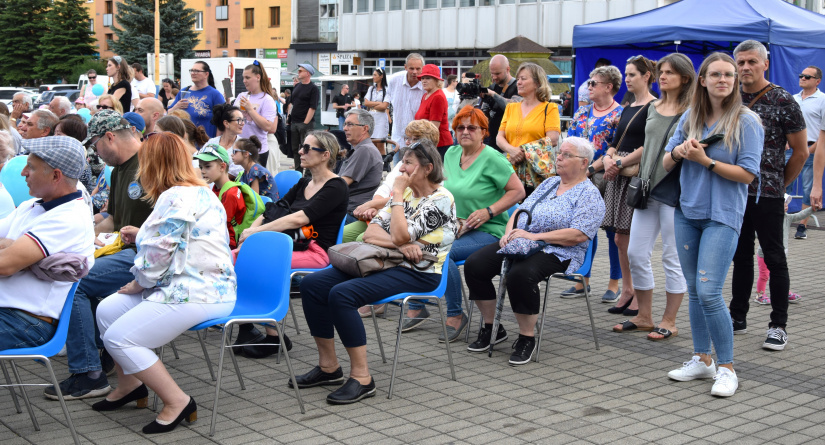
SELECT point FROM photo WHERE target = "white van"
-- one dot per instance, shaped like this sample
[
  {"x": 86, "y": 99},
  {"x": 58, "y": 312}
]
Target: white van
[{"x": 102, "y": 80}]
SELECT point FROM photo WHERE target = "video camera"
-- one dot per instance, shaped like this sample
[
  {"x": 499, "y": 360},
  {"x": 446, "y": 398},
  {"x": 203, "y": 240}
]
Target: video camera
[{"x": 470, "y": 90}]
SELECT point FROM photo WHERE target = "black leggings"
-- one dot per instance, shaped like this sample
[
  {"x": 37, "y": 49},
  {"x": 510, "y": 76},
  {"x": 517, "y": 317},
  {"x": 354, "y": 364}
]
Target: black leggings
[{"x": 522, "y": 280}]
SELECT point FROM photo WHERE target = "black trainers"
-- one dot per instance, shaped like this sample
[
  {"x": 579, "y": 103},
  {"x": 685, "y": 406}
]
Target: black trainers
[
  {"x": 80, "y": 386},
  {"x": 801, "y": 232},
  {"x": 739, "y": 327},
  {"x": 523, "y": 349},
  {"x": 482, "y": 343},
  {"x": 107, "y": 362},
  {"x": 777, "y": 339}
]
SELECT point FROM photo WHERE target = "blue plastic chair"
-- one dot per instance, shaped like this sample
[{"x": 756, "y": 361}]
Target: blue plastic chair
[
  {"x": 108, "y": 172},
  {"x": 285, "y": 180},
  {"x": 42, "y": 353},
  {"x": 13, "y": 181},
  {"x": 266, "y": 199},
  {"x": 438, "y": 296},
  {"x": 577, "y": 277},
  {"x": 262, "y": 298}
]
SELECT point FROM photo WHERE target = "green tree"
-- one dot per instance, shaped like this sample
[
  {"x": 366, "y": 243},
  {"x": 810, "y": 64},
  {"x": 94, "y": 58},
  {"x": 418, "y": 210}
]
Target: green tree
[
  {"x": 68, "y": 42},
  {"x": 22, "y": 25},
  {"x": 135, "y": 30}
]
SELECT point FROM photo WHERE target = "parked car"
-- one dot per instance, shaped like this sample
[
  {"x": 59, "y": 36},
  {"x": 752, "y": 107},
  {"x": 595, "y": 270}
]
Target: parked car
[
  {"x": 47, "y": 96},
  {"x": 7, "y": 94},
  {"x": 56, "y": 86}
]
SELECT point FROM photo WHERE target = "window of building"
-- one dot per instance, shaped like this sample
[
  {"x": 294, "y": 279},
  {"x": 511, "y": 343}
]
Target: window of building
[
  {"x": 328, "y": 21},
  {"x": 412, "y": 4},
  {"x": 363, "y": 6},
  {"x": 199, "y": 21},
  {"x": 527, "y": 1},
  {"x": 222, "y": 10},
  {"x": 91, "y": 25},
  {"x": 245, "y": 53},
  {"x": 109, "y": 38},
  {"x": 249, "y": 18},
  {"x": 379, "y": 5},
  {"x": 347, "y": 6},
  {"x": 395, "y": 5},
  {"x": 274, "y": 16},
  {"x": 110, "y": 7},
  {"x": 448, "y": 3},
  {"x": 223, "y": 37},
  {"x": 504, "y": 2},
  {"x": 430, "y": 4}
]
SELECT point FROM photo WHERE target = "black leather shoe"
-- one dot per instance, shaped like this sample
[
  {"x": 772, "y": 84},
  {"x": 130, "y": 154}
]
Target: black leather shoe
[
  {"x": 351, "y": 392},
  {"x": 190, "y": 413},
  {"x": 247, "y": 337},
  {"x": 317, "y": 377},
  {"x": 141, "y": 394},
  {"x": 264, "y": 350}
]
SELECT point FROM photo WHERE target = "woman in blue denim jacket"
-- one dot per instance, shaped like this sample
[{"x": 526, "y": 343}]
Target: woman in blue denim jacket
[{"x": 714, "y": 180}]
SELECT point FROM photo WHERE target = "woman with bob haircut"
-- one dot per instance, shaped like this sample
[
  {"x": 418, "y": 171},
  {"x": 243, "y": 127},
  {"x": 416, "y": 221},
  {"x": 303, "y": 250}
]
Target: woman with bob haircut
[
  {"x": 714, "y": 182},
  {"x": 183, "y": 276}
]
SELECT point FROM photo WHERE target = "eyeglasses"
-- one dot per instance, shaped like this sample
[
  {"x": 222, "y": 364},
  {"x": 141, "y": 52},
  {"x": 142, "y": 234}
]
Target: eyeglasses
[
  {"x": 716, "y": 75},
  {"x": 593, "y": 83},
  {"x": 210, "y": 150},
  {"x": 409, "y": 140},
  {"x": 93, "y": 146},
  {"x": 567, "y": 155},
  {"x": 635, "y": 58},
  {"x": 350, "y": 124},
  {"x": 305, "y": 148},
  {"x": 807, "y": 77},
  {"x": 471, "y": 128},
  {"x": 105, "y": 107},
  {"x": 193, "y": 71},
  {"x": 239, "y": 120},
  {"x": 238, "y": 150},
  {"x": 92, "y": 77},
  {"x": 148, "y": 135},
  {"x": 418, "y": 146}
]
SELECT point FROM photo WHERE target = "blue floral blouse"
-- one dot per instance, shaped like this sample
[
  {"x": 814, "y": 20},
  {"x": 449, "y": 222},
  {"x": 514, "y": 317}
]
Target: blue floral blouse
[
  {"x": 580, "y": 208},
  {"x": 266, "y": 182},
  {"x": 183, "y": 250},
  {"x": 598, "y": 130}
]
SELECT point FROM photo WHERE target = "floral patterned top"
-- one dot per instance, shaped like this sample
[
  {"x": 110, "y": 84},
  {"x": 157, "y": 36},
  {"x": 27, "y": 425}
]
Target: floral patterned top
[
  {"x": 266, "y": 182},
  {"x": 431, "y": 221},
  {"x": 598, "y": 130},
  {"x": 183, "y": 250},
  {"x": 580, "y": 208},
  {"x": 100, "y": 198}
]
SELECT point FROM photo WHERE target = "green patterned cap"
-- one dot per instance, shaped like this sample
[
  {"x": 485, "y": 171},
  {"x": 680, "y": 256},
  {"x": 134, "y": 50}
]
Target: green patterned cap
[{"x": 105, "y": 121}]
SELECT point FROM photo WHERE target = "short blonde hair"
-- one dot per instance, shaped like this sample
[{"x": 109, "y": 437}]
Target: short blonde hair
[
  {"x": 539, "y": 76},
  {"x": 423, "y": 129},
  {"x": 611, "y": 74},
  {"x": 329, "y": 142},
  {"x": 115, "y": 103}
]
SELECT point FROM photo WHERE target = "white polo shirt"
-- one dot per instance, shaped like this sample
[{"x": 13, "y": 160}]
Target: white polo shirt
[
  {"x": 61, "y": 225},
  {"x": 813, "y": 110}
]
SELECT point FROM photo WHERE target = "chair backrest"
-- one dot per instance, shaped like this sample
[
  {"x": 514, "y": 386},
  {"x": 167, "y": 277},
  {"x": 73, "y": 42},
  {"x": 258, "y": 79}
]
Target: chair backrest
[
  {"x": 512, "y": 210},
  {"x": 14, "y": 183},
  {"x": 108, "y": 170},
  {"x": 53, "y": 346},
  {"x": 260, "y": 273},
  {"x": 285, "y": 180},
  {"x": 340, "y": 238},
  {"x": 266, "y": 199},
  {"x": 588, "y": 258}
]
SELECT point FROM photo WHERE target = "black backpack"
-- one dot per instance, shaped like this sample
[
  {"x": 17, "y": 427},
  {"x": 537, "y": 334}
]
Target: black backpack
[{"x": 280, "y": 135}]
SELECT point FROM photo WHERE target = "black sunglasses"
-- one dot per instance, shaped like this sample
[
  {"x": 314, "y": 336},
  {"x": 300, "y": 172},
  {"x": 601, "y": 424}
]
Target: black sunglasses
[
  {"x": 807, "y": 76},
  {"x": 92, "y": 77},
  {"x": 418, "y": 146},
  {"x": 305, "y": 148},
  {"x": 105, "y": 107}
]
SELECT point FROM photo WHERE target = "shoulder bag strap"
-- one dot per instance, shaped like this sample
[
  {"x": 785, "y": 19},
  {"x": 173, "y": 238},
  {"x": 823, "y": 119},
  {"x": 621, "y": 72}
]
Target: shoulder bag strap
[
  {"x": 664, "y": 144},
  {"x": 759, "y": 96},
  {"x": 628, "y": 126}
]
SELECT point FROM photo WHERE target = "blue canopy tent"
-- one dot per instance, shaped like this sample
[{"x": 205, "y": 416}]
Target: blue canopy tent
[{"x": 795, "y": 36}]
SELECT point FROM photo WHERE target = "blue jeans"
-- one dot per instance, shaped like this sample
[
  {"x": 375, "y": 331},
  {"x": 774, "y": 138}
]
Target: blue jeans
[
  {"x": 706, "y": 250},
  {"x": 459, "y": 251},
  {"x": 18, "y": 330},
  {"x": 612, "y": 253},
  {"x": 341, "y": 120},
  {"x": 806, "y": 176},
  {"x": 107, "y": 276}
]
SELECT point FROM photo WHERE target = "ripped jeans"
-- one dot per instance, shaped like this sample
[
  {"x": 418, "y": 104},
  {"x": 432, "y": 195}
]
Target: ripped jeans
[{"x": 706, "y": 249}]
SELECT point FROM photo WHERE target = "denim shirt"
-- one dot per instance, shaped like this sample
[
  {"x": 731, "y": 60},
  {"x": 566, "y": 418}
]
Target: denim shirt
[{"x": 705, "y": 194}]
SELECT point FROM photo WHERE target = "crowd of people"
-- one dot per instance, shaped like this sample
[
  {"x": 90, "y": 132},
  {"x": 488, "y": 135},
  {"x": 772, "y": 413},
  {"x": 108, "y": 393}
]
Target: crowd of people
[{"x": 181, "y": 180}]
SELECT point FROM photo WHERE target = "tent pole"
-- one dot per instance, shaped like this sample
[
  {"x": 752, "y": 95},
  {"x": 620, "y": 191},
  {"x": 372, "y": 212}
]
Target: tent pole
[{"x": 574, "y": 95}]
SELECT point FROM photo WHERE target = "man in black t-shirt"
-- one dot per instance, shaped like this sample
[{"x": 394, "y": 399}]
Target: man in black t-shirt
[
  {"x": 302, "y": 108},
  {"x": 117, "y": 144},
  {"x": 342, "y": 104},
  {"x": 502, "y": 91}
]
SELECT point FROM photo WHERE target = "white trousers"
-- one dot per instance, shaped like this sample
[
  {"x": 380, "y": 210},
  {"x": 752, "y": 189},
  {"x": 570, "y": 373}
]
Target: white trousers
[
  {"x": 131, "y": 328},
  {"x": 644, "y": 230}
]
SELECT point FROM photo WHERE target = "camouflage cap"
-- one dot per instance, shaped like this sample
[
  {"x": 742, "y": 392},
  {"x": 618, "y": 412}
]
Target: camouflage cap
[{"x": 104, "y": 121}]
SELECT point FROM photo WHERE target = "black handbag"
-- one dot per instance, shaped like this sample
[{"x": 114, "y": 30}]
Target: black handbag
[
  {"x": 279, "y": 209},
  {"x": 638, "y": 190}
]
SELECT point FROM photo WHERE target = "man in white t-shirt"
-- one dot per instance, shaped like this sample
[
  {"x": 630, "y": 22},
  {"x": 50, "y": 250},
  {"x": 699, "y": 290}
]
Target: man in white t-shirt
[
  {"x": 57, "y": 221},
  {"x": 142, "y": 86}
]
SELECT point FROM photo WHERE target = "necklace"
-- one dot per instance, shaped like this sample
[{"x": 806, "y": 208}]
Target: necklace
[
  {"x": 608, "y": 107},
  {"x": 461, "y": 160}
]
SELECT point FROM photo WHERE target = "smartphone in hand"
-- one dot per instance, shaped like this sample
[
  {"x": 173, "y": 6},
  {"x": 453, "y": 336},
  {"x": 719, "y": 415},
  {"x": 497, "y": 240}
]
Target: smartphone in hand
[{"x": 712, "y": 138}]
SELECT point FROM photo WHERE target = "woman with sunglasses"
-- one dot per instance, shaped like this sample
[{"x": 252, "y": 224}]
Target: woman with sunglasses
[
  {"x": 253, "y": 174},
  {"x": 317, "y": 205},
  {"x": 597, "y": 122},
  {"x": 714, "y": 180},
  {"x": 420, "y": 218},
  {"x": 108, "y": 102},
  {"x": 86, "y": 92},
  {"x": 377, "y": 100},
  {"x": 484, "y": 187},
  {"x": 121, "y": 74},
  {"x": 201, "y": 97},
  {"x": 258, "y": 107}
]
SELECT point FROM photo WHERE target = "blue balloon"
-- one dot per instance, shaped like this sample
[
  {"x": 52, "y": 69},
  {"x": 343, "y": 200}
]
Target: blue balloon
[
  {"x": 13, "y": 182},
  {"x": 85, "y": 114},
  {"x": 97, "y": 90}
]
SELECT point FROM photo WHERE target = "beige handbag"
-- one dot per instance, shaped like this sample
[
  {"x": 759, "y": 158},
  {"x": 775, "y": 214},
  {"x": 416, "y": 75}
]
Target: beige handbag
[{"x": 360, "y": 259}]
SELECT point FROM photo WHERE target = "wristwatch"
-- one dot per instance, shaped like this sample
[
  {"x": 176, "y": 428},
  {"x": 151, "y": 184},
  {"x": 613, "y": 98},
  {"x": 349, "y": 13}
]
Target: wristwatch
[
  {"x": 712, "y": 165},
  {"x": 619, "y": 163},
  {"x": 397, "y": 203},
  {"x": 591, "y": 170}
]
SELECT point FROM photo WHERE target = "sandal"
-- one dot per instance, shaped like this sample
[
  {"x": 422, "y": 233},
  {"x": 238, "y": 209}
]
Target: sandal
[
  {"x": 364, "y": 311},
  {"x": 628, "y": 326},
  {"x": 665, "y": 333}
]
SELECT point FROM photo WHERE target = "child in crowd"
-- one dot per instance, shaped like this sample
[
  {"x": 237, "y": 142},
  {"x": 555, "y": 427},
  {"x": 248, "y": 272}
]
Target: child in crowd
[
  {"x": 255, "y": 175},
  {"x": 214, "y": 165},
  {"x": 764, "y": 273}
]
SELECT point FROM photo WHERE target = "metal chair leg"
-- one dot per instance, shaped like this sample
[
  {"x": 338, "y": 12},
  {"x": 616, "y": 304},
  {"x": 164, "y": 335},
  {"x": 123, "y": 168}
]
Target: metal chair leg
[
  {"x": 155, "y": 398},
  {"x": 444, "y": 328},
  {"x": 540, "y": 327},
  {"x": 11, "y": 388},
  {"x": 378, "y": 333},
  {"x": 502, "y": 289},
  {"x": 294, "y": 319},
  {"x": 234, "y": 363},
  {"x": 174, "y": 350},
  {"x": 397, "y": 348},
  {"x": 62, "y": 401},
  {"x": 469, "y": 305},
  {"x": 201, "y": 339},
  {"x": 589, "y": 310},
  {"x": 26, "y": 396},
  {"x": 291, "y": 373},
  {"x": 223, "y": 348}
]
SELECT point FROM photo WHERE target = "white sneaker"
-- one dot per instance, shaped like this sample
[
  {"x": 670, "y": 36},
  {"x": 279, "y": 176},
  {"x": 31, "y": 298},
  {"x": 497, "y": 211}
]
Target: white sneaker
[
  {"x": 726, "y": 383},
  {"x": 692, "y": 370}
]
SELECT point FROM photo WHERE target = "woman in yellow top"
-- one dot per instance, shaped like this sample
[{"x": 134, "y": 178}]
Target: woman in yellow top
[{"x": 531, "y": 119}]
